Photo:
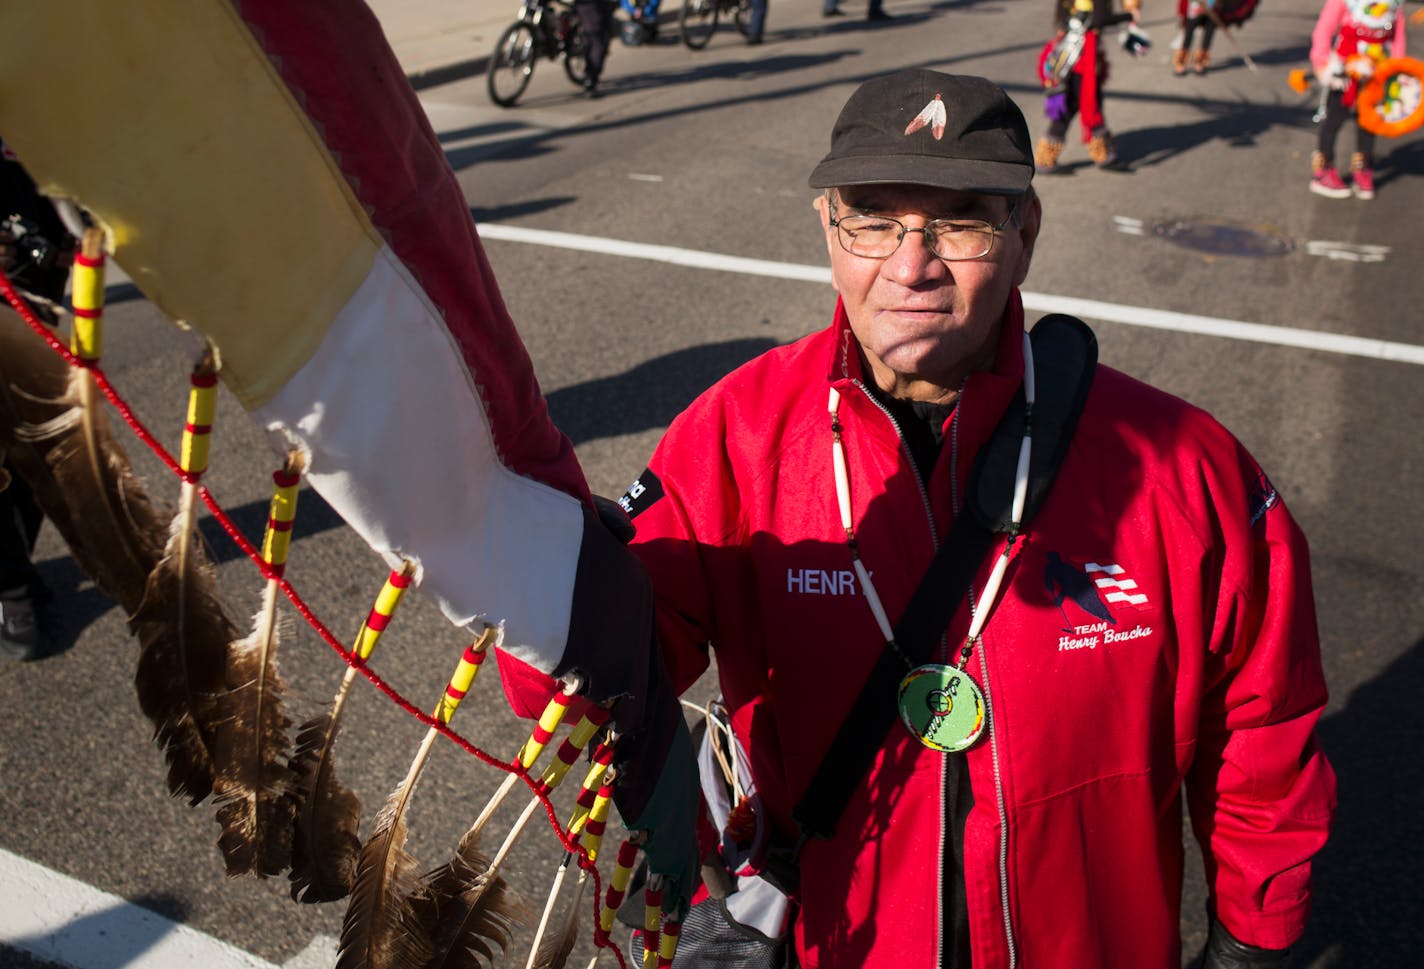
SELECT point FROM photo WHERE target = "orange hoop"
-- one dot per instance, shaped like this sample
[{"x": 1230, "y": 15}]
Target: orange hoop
[{"x": 1380, "y": 108}]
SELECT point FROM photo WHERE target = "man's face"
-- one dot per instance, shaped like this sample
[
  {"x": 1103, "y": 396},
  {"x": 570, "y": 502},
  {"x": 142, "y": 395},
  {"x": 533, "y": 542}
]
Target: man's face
[{"x": 922, "y": 322}]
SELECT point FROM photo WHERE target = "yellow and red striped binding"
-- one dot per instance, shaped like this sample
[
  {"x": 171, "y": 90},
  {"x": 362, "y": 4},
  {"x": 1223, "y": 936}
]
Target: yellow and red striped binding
[
  {"x": 381, "y": 613},
  {"x": 617, "y": 888},
  {"x": 464, "y": 677},
  {"x": 197, "y": 432},
  {"x": 543, "y": 732},
  {"x": 571, "y": 748},
  {"x": 652, "y": 924},
  {"x": 87, "y": 298},
  {"x": 602, "y": 757},
  {"x": 283, "y": 511},
  {"x": 667, "y": 946}
]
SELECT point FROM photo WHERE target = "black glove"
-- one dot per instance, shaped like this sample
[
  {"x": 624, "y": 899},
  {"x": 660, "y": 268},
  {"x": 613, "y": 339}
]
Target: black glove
[
  {"x": 1223, "y": 951},
  {"x": 613, "y": 648},
  {"x": 612, "y": 516},
  {"x": 657, "y": 793}
]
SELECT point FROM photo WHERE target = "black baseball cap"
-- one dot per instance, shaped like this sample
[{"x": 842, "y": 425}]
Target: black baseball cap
[{"x": 922, "y": 127}]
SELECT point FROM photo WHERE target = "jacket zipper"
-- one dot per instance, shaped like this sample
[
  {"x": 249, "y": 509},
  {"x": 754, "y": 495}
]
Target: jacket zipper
[
  {"x": 1005, "y": 910},
  {"x": 945, "y": 829},
  {"x": 993, "y": 722},
  {"x": 905, "y": 449},
  {"x": 1003, "y": 818}
]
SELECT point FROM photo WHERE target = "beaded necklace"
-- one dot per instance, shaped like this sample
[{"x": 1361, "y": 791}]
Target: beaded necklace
[{"x": 941, "y": 704}]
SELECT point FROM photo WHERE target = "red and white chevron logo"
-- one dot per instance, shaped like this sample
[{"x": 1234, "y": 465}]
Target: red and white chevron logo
[{"x": 1116, "y": 586}]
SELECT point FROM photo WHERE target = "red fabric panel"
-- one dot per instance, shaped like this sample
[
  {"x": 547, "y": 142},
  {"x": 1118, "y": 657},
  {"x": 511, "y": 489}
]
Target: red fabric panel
[
  {"x": 337, "y": 63},
  {"x": 1090, "y": 69}
]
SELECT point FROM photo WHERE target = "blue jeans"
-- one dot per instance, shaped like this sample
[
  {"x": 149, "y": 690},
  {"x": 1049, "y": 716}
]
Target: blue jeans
[{"x": 756, "y": 20}]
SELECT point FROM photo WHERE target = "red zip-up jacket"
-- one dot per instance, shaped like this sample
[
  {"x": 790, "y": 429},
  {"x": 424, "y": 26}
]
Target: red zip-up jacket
[{"x": 1155, "y": 632}]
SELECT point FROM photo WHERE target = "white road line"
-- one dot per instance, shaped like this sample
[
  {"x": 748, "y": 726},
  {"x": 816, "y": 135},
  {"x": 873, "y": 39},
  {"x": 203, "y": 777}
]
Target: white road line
[
  {"x": 1284, "y": 336},
  {"x": 1350, "y": 251},
  {"x": 1039, "y": 302},
  {"x": 60, "y": 919},
  {"x": 639, "y": 250}
]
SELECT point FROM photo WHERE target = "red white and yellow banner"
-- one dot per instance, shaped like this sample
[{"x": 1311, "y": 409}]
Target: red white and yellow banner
[{"x": 266, "y": 174}]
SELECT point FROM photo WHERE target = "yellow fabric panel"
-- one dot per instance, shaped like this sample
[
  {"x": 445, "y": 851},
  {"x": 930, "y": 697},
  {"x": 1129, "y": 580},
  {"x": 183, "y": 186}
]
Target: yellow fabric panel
[{"x": 168, "y": 123}]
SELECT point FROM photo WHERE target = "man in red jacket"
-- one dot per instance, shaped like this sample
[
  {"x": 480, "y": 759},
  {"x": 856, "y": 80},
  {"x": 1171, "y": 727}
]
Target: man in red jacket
[{"x": 1151, "y": 631}]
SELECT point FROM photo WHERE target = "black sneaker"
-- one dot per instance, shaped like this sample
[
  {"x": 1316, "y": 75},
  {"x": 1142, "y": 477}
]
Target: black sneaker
[{"x": 20, "y": 626}]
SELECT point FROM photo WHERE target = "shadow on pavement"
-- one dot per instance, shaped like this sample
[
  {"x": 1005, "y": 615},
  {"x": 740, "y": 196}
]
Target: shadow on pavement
[
  {"x": 76, "y": 602},
  {"x": 1367, "y": 909},
  {"x": 117, "y": 936},
  {"x": 650, "y": 394},
  {"x": 501, "y": 213}
]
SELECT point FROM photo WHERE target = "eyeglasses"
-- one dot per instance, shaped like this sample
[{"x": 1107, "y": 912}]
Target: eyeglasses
[{"x": 954, "y": 240}]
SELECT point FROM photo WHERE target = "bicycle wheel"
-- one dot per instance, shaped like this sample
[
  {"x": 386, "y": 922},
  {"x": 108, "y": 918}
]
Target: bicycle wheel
[
  {"x": 698, "y": 21},
  {"x": 575, "y": 55},
  {"x": 743, "y": 17},
  {"x": 512, "y": 64}
]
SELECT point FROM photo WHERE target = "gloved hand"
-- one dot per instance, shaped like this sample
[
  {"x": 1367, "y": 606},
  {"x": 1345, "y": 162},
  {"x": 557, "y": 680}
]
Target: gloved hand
[
  {"x": 656, "y": 789},
  {"x": 657, "y": 794},
  {"x": 1223, "y": 951}
]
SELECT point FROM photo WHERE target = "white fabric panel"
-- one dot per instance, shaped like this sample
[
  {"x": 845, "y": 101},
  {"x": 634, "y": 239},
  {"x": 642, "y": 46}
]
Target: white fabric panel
[{"x": 399, "y": 445}]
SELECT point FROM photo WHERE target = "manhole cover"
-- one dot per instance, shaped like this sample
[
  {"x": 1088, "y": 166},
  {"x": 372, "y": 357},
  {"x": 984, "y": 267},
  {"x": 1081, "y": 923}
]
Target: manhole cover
[{"x": 1225, "y": 239}]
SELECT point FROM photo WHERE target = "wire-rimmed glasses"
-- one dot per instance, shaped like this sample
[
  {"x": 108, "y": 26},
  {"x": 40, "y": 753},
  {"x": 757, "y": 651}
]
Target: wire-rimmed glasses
[{"x": 954, "y": 240}]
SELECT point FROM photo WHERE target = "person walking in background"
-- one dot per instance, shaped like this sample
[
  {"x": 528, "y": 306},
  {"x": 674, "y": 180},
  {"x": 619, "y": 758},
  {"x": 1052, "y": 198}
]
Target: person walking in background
[
  {"x": 1194, "y": 17},
  {"x": 1200, "y": 18},
  {"x": 22, "y": 590},
  {"x": 1351, "y": 38},
  {"x": 756, "y": 21},
  {"x": 874, "y": 10},
  {"x": 35, "y": 252},
  {"x": 1073, "y": 69},
  {"x": 596, "y": 24}
]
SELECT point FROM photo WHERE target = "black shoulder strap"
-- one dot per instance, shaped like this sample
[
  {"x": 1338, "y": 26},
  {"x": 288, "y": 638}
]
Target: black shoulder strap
[{"x": 1065, "y": 356}]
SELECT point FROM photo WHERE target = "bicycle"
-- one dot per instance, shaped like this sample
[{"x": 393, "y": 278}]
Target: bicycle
[
  {"x": 545, "y": 28},
  {"x": 699, "y": 19}
]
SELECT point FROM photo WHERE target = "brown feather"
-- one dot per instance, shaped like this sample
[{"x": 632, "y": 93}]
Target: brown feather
[
  {"x": 325, "y": 843},
  {"x": 181, "y": 670},
  {"x": 469, "y": 906},
  {"x": 254, "y": 782},
  {"x": 113, "y": 529},
  {"x": 184, "y": 636},
  {"x": 553, "y": 951},
  {"x": 84, "y": 483},
  {"x": 382, "y": 927}
]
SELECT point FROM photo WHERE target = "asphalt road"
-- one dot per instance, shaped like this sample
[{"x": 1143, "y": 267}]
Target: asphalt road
[{"x": 709, "y": 152}]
